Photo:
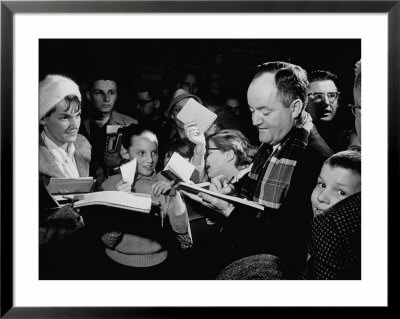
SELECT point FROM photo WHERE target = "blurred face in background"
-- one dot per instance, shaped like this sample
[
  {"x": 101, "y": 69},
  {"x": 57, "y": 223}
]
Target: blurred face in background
[
  {"x": 190, "y": 84},
  {"x": 234, "y": 105},
  {"x": 146, "y": 105},
  {"x": 323, "y": 100},
  {"x": 357, "y": 110}
]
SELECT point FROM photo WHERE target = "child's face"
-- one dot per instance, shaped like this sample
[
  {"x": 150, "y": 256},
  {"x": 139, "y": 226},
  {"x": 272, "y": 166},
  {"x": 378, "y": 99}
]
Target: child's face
[
  {"x": 145, "y": 149},
  {"x": 334, "y": 184}
]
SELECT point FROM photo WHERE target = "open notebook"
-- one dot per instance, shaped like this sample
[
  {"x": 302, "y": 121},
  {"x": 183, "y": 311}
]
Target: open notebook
[
  {"x": 194, "y": 111},
  {"x": 137, "y": 202},
  {"x": 196, "y": 189}
]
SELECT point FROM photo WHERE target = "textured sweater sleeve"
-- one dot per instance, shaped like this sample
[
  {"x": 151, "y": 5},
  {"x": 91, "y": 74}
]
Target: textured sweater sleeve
[{"x": 179, "y": 220}]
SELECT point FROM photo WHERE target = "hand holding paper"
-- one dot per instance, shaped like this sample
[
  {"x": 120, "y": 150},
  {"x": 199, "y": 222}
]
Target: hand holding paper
[
  {"x": 193, "y": 111},
  {"x": 194, "y": 134}
]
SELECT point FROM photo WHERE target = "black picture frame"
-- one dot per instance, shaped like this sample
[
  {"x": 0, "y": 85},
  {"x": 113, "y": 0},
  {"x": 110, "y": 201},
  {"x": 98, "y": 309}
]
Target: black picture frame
[{"x": 9, "y": 8}]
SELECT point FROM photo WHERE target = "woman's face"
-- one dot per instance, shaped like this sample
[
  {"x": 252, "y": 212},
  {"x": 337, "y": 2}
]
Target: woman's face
[
  {"x": 216, "y": 160},
  {"x": 145, "y": 149}
]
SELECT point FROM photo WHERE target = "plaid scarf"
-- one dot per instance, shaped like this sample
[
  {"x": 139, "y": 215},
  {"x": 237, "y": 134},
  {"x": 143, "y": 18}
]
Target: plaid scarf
[{"x": 269, "y": 179}]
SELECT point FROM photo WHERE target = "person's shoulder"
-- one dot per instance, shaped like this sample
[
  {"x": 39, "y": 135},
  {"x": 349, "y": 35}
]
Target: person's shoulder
[
  {"x": 317, "y": 145},
  {"x": 83, "y": 146},
  {"x": 344, "y": 217},
  {"x": 120, "y": 118}
]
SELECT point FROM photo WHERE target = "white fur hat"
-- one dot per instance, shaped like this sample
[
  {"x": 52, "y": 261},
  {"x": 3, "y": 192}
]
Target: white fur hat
[{"x": 53, "y": 89}]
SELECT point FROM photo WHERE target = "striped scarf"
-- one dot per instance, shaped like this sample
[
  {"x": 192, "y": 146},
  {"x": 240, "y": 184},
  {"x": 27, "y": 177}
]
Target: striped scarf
[{"x": 269, "y": 179}]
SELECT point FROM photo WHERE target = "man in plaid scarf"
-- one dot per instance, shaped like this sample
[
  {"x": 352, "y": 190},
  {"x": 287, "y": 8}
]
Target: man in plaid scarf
[{"x": 283, "y": 175}]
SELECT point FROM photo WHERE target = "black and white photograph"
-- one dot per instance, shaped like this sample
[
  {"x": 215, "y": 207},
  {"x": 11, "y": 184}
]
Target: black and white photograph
[
  {"x": 196, "y": 154},
  {"x": 127, "y": 126}
]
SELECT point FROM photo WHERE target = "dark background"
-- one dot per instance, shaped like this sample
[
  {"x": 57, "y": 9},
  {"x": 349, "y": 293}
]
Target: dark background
[{"x": 222, "y": 64}]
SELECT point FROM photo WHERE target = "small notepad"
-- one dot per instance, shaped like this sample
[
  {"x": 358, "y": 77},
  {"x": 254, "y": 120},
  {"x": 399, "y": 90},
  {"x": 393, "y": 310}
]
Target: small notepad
[
  {"x": 194, "y": 111},
  {"x": 180, "y": 168},
  {"x": 128, "y": 171}
]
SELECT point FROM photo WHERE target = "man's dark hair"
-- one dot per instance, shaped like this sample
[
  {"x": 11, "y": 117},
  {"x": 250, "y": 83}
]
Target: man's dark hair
[
  {"x": 72, "y": 101},
  {"x": 350, "y": 160},
  {"x": 322, "y": 75},
  {"x": 290, "y": 80},
  {"x": 153, "y": 88},
  {"x": 98, "y": 76},
  {"x": 133, "y": 130}
]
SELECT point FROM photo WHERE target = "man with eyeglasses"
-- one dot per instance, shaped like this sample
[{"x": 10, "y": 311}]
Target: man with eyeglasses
[
  {"x": 149, "y": 98},
  {"x": 102, "y": 95},
  {"x": 323, "y": 104}
]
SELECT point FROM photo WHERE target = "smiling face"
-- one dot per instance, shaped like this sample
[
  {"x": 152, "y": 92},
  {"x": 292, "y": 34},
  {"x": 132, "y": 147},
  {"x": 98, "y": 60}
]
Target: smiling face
[
  {"x": 103, "y": 95},
  {"x": 144, "y": 148},
  {"x": 322, "y": 109},
  {"x": 334, "y": 184},
  {"x": 62, "y": 125},
  {"x": 272, "y": 119}
]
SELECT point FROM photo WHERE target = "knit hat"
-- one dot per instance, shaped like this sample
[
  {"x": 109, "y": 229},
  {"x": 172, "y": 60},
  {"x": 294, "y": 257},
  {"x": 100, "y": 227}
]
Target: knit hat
[
  {"x": 179, "y": 95},
  {"x": 53, "y": 89}
]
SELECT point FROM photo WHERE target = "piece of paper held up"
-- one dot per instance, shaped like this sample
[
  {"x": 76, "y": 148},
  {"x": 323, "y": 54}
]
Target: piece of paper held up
[
  {"x": 128, "y": 171},
  {"x": 194, "y": 111},
  {"x": 181, "y": 168}
]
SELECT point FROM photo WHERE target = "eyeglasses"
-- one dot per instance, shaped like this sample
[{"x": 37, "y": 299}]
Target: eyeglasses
[
  {"x": 354, "y": 108},
  {"x": 319, "y": 96},
  {"x": 143, "y": 103}
]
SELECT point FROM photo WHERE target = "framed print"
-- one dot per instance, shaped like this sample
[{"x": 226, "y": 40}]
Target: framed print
[{"x": 220, "y": 41}]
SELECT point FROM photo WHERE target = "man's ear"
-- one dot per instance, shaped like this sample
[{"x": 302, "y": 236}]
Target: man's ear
[
  {"x": 88, "y": 96},
  {"x": 158, "y": 104},
  {"x": 42, "y": 122},
  {"x": 230, "y": 155},
  {"x": 297, "y": 107}
]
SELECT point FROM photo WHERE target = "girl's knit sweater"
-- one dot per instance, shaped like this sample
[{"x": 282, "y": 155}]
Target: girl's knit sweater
[{"x": 146, "y": 243}]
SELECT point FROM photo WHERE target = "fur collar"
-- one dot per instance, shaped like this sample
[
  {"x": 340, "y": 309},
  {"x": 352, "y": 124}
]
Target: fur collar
[{"x": 48, "y": 168}]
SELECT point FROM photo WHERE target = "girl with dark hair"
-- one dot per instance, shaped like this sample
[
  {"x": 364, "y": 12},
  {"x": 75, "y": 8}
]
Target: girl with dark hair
[{"x": 145, "y": 245}]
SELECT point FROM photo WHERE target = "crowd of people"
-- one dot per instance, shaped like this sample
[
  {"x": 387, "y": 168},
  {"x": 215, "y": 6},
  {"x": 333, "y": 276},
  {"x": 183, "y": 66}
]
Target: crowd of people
[{"x": 304, "y": 169}]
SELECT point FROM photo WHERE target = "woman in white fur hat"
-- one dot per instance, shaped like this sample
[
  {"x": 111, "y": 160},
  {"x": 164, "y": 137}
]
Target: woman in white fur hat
[{"x": 62, "y": 151}]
